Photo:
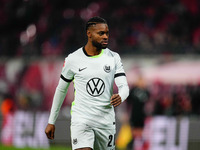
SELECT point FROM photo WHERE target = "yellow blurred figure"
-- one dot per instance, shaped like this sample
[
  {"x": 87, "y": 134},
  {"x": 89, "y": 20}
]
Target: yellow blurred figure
[{"x": 124, "y": 137}]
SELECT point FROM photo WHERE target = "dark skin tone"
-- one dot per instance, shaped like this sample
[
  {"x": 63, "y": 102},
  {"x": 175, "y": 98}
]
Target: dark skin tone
[{"x": 97, "y": 40}]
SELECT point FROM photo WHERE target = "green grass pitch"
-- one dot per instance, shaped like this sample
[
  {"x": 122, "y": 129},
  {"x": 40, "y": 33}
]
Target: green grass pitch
[{"x": 50, "y": 148}]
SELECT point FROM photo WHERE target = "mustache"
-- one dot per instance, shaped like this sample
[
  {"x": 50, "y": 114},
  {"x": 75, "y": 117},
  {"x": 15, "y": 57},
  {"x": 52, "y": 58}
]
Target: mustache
[{"x": 104, "y": 41}]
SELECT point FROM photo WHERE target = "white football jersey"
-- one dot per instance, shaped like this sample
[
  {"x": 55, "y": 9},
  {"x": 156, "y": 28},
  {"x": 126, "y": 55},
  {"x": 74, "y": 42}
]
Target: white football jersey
[{"x": 93, "y": 78}]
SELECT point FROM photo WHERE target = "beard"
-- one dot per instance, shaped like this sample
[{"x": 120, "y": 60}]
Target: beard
[{"x": 99, "y": 46}]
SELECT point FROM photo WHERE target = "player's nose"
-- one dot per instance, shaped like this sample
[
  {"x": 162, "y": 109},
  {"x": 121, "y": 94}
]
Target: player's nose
[{"x": 105, "y": 36}]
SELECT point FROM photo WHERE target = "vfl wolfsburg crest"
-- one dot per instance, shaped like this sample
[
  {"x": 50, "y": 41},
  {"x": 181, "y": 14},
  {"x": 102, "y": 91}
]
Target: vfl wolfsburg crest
[{"x": 107, "y": 68}]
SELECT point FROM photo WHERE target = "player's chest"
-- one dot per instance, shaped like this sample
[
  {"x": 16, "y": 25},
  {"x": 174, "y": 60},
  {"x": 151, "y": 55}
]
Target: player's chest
[{"x": 101, "y": 68}]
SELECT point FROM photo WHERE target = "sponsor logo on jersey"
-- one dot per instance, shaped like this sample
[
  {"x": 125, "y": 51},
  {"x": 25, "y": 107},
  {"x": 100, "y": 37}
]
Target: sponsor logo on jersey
[
  {"x": 75, "y": 141},
  {"x": 95, "y": 87},
  {"x": 107, "y": 68}
]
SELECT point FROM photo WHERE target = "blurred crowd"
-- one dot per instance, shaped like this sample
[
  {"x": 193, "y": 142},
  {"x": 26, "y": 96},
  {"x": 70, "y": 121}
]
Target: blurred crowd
[
  {"x": 172, "y": 100},
  {"x": 57, "y": 27},
  {"x": 162, "y": 99}
]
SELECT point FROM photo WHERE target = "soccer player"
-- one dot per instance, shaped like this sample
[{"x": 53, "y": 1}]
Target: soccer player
[{"x": 93, "y": 69}]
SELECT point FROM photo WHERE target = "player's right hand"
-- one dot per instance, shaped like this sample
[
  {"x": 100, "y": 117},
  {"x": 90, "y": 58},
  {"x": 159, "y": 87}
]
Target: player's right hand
[{"x": 50, "y": 130}]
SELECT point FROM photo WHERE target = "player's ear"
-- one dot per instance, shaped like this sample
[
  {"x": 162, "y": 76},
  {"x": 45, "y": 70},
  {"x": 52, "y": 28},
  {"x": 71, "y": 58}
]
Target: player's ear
[{"x": 88, "y": 34}]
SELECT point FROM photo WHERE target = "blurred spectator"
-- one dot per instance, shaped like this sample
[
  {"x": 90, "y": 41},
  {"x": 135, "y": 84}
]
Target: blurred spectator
[
  {"x": 194, "y": 93},
  {"x": 139, "y": 95},
  {"x": 7, "y": 110},
  {"x": 7, "y": 106}
]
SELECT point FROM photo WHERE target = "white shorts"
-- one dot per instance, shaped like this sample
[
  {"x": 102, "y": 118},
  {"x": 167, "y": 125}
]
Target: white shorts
[{"x": 83, "y": 135}]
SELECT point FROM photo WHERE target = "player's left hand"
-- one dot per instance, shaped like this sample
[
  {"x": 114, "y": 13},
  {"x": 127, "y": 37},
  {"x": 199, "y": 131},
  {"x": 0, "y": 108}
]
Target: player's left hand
[{"x": 115, "y": 100}]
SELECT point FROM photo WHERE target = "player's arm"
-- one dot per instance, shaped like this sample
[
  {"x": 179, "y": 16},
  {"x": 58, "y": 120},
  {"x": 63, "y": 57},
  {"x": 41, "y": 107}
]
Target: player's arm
[
  {"x": 123, "y": 90},
  {"x": 121, "y": 82},
  {"x": 59, "y": 96},
  {"x": 58, "y": 99}
]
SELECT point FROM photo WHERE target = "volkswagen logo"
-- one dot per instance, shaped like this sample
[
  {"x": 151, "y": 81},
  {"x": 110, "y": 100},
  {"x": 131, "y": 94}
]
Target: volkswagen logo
[{"x": 95, "y": 87}]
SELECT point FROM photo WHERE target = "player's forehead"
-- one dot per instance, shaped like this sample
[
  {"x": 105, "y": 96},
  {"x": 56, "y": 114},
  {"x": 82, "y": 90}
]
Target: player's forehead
[{"x": 100, "y": 27}]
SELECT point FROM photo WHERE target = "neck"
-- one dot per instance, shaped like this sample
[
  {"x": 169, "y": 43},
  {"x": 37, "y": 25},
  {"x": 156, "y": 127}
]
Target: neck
[{"x": 91, "y": 50}]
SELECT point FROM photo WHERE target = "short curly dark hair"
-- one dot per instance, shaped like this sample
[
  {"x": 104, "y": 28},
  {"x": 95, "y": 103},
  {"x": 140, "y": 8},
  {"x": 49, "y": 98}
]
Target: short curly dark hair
[{"x": 95, "y": 20}]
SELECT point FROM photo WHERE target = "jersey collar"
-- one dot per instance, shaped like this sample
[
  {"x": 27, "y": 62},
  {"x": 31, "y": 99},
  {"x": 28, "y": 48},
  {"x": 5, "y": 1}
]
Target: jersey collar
[{"x": 96, "y": 56}]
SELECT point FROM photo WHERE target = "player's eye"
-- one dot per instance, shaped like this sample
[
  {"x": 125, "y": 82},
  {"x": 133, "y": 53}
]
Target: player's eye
[{"x": 101, "y": 33}]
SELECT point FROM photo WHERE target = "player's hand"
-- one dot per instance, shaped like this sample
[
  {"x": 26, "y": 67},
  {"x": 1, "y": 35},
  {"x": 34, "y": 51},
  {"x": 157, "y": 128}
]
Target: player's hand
[
  {"x": 116, "y": 100},
  {"x": 50, "y": 130}
]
